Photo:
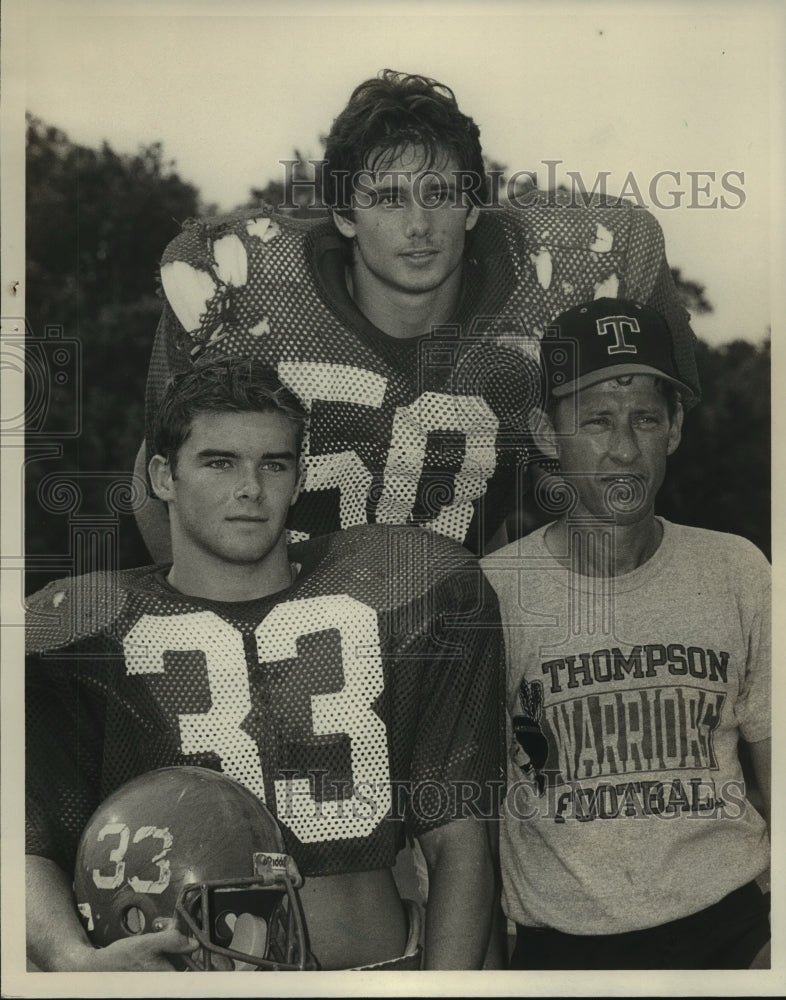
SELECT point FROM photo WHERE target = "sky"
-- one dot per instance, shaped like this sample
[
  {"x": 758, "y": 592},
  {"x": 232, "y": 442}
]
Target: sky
[{"x": 678, "y": 104}]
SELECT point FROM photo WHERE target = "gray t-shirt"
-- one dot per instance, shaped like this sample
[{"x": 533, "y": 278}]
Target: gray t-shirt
[{"x": 626, "y": 695}]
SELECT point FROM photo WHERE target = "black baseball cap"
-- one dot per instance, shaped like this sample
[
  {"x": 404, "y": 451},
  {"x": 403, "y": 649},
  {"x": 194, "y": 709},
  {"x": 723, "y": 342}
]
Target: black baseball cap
[{"x": 604, "y": 339}]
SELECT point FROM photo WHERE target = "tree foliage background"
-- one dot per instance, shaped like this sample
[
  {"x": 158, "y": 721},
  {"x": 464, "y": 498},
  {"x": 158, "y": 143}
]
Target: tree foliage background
[{"x": 97, "y": 222}]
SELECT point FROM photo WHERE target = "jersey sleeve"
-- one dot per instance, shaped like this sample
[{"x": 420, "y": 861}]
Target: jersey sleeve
[
  {"x": 457, "y": 759},
  {"x": 198, "y": 269},
  {"x": 64, "y": 719},
  {"x": 169, "y": 357},
  {"x": 647, "y": 267}
]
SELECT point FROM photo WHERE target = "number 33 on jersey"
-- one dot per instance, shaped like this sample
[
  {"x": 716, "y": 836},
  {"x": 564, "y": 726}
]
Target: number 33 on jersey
[{"x": 365, "y": 694}]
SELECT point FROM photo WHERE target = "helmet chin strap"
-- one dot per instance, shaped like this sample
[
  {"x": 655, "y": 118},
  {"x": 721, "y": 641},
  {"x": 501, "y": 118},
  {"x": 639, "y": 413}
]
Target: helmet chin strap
[{"x": 250, "y": 937}]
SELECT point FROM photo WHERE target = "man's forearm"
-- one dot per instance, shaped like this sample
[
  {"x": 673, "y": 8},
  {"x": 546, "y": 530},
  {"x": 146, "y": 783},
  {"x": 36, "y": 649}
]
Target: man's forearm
[
  {"x": 461, "y": 895},
  {"x": 56, "y": 940}
]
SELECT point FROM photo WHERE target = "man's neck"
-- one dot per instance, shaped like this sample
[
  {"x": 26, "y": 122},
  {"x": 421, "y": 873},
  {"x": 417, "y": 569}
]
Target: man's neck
[
  {"x": 598, "y": 548},
  {"x": 229, "y": 581},
  {"x": 403, "y": 314}
]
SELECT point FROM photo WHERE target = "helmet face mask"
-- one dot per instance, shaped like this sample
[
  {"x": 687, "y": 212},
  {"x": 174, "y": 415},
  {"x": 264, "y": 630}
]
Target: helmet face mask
[
  {"x": 246, "y": 924},
  {"x": 194, "y": 845}
]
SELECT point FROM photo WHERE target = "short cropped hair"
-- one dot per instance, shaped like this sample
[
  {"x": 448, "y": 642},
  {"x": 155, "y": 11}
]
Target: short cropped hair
[
  {"x": 389, "y": 113},
  {"x": 221, "y": 385}
]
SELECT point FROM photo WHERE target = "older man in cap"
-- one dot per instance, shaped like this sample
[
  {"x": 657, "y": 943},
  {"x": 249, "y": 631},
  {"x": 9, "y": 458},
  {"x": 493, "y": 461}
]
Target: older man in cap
[{"x": 638, "y": 656}]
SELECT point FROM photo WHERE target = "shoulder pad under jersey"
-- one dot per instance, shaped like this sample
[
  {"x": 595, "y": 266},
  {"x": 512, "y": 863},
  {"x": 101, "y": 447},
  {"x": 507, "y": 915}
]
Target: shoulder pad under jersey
[
  {"x": 75, "y": 608},
  {"x": 387, "y": 563},
  {"x": 567, "y": 250},
  {"x": 601, "y": 227},
  {"x": 211, "y": 256}
]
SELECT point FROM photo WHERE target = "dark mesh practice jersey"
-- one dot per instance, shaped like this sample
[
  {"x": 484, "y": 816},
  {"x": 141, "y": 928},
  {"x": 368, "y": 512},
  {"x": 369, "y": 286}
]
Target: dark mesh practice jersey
[
  {"x": 429, "y": 431},
  {"x": 360, "y": 704}
]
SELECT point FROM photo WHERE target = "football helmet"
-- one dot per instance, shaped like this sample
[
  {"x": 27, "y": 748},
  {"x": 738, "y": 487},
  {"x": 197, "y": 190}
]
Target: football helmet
[{"x": 193, "y": 844}]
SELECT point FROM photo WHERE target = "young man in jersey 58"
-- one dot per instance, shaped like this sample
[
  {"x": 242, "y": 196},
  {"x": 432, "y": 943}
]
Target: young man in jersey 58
[
  {"x": 349, "y": 682},
  {"x": 628, "y": 840},
  {"x": 407, "y": 321}
]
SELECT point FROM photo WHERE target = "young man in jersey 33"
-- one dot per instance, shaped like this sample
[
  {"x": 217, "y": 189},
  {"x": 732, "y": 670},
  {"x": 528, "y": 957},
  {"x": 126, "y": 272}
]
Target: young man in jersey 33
[
  {"x": 627, "y": 839},
  {"x": 406, "y": 322},
  {"x": 350, "y": 682}
]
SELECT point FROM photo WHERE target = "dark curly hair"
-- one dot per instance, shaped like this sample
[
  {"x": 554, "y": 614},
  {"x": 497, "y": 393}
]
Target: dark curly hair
[
  {"x": 221, "y": 385},
  {"x": 387, "y": 114}
]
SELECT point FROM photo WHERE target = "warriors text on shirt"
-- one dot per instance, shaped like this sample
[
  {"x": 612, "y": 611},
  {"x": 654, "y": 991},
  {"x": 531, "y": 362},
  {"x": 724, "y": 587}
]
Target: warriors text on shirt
[{"x": 651, "y": 729}]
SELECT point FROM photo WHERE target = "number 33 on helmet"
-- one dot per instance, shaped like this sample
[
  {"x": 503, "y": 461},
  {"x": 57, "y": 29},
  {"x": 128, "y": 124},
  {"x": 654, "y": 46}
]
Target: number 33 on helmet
[{"x": 195, "y": 845}]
